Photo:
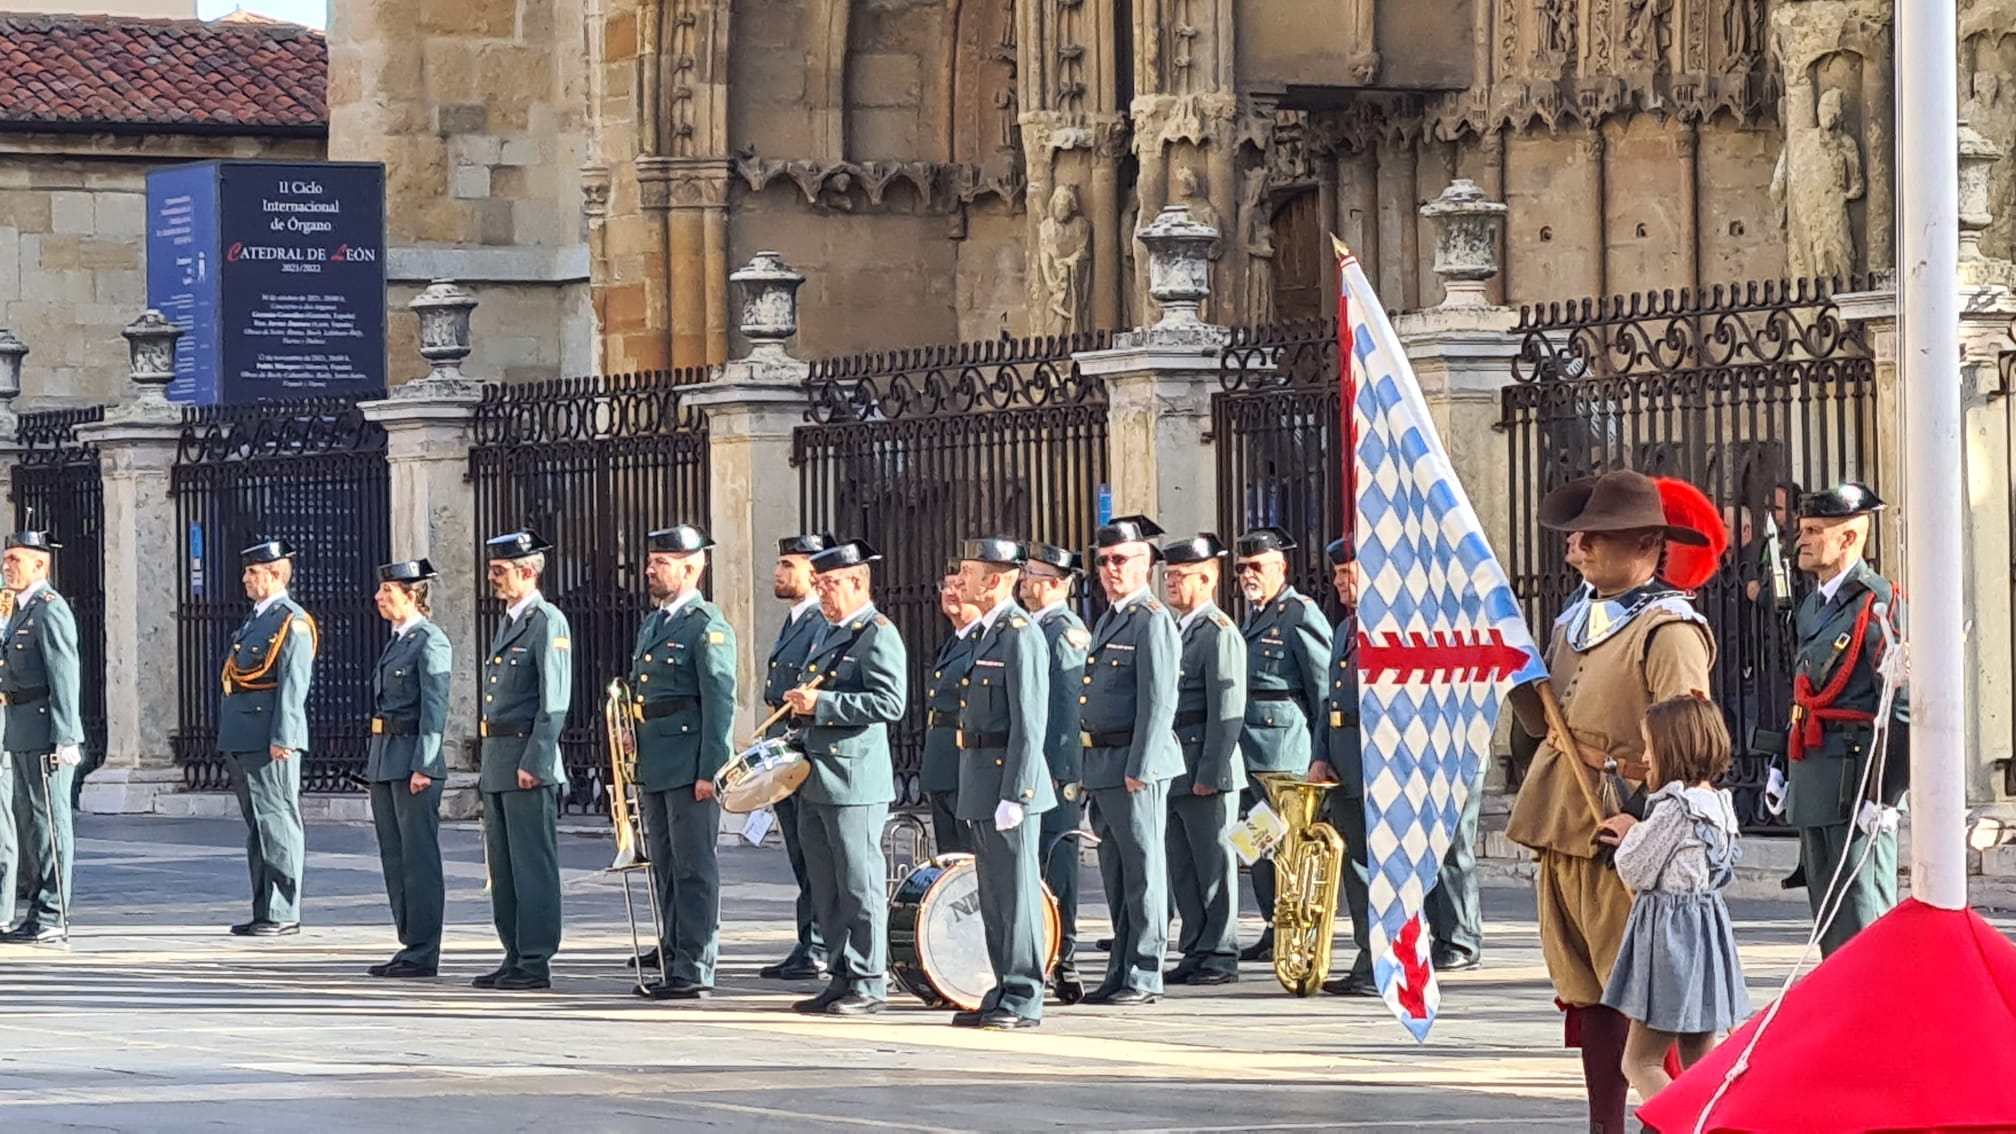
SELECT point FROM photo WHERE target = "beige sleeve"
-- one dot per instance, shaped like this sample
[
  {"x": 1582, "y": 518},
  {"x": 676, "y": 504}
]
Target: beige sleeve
[{"x": 1678, "y": 656}]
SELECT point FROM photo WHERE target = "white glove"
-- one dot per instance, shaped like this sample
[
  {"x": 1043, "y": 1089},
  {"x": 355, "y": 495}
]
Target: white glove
[
  {"x": 1872, "y": 820},
  {"x": 1774, "y": 792},
  {"x": 1008, "y": 815},
  {"x": 68, "y": 755}
]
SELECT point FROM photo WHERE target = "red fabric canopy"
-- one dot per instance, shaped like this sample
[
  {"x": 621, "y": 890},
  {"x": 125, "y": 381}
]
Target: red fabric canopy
[{"x": 1910, "y": 1026}]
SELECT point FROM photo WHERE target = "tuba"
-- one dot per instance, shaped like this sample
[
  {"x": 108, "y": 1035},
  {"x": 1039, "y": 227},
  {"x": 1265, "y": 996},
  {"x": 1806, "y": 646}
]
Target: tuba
[{"x": 1308, "y": 873}]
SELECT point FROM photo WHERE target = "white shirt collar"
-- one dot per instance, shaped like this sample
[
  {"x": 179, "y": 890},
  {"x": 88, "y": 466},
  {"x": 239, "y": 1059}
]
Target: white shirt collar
[
  {"x": 412, "y": 620},
  {"x": 1130, "y": 600},
  {"x": 1832, "y": 585},
  {"x": 263, "y": 605},
  {"x": 21, "y": 599},
  {"x": 1053, "y": 608},
  {"x": 518, "y": 608},
  {"x": 867, "y": 611},
  {"x": 993, "y": 616},
  {"x": 967, "y": 629},
  {"x": 1184, "y": 622},
  {"x": 674, "y": 606},
  {"x": 810, "y": 602}
]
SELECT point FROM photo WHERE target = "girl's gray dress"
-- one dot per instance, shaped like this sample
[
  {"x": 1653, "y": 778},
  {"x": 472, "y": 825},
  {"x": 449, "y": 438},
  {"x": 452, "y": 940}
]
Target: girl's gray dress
[{"x": 1677, "y": 970}]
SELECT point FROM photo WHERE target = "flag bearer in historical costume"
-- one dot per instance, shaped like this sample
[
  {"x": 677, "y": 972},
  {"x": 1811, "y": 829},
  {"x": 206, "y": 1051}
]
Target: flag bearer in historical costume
[
  {"x": 939, "y": 775},
  {"x": 862, "y": 678},
  {"x": 528, "y": 685},
  {"x": 1004, "y": 780},
  {"x": 1830, "y": 793},
  {"x": 682, "y": 672},
  {"x": 1287, "y": 652},
  {"x": 792, "y": 583},
  {"x": 262, "y": 730},
  {"x": 1046, "y": 592},
  {"x": 1127, "y": 725},
  {"x": 1204, "y": 799},
  {"x": 406, "y": 767},
  {"x": 1342, "y": 764},
  {"x": 1634, "y": 642},
  {"x": 41, "y": 685}
]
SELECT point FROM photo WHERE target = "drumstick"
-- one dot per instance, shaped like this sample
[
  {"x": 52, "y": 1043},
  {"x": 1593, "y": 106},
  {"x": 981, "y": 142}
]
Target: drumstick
[{"x": 782, "y": 709}]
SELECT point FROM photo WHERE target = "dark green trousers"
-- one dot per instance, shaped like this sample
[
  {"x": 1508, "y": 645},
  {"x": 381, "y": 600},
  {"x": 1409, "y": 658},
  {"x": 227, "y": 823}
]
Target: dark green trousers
[
  {"x": 409, "y": 850},
  {"x": 1262, "y": 872},
  {"x": 1059, "y": 856},
  {"x": 10, "y": 856},
  {"x": 269, "y": 797},
  {"x": 520, "y": 835},
  {"x": 1871, "y": 893},
  {"x": 1011, "y": 914},
  {"x": 1348, "y": 816},
  {"x": 1455, "y": 911},
  {"x": 811, "y": 947},
  {"x": 684, "y": 837},
  {"x": 1134, "y": 869},
  {"x": 1204, "y": 877},
  {"x": 850, "y": 885},
  {"x": 948, "y": 831}
]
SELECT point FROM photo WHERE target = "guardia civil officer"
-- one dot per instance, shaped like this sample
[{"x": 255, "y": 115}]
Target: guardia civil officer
[
  {"x": 1342, "y": 764},
  {"x": 863, "y": 674},
  {"x": 405, "y": 765},
  {"x": 792, "y": 583},
  {"x": 940, "y": 773},
  {"x": 682, "y": 671},
  {"x": 262, "y": 729},
  {"x": 528, "y": 685},
  {"x": 1004, "y": 780},
  {"x": 1047, "y": 577},
  {"x": 1287, "y": 654},
  {"x": 1127, "y": 723},
  {"x": 1204, "y": 799},
  {"x": 1829, "y": 792},
  {"x": 41, "y": 685}
]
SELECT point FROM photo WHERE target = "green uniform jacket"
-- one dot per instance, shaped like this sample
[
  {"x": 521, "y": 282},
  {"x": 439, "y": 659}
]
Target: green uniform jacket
[
  {"x": 684, "y": 667},
  {"x": 253, "y": 720},
  {"x": 1211, "y": 703},
  {"x": 866, "y": 691},
  {"x": 528, "y": 685},
  {"x": 41, "y": 654},
  {"x": 942, "y": 699},
  {"x": 1065, "y": 633},
  {"x": 1821, "y": 789},
  {"x": 787, "y": 658},
  {"x": 1287, "y": 651},
  {"x": 1128, "y": 717},
  {"x": 1342, "y": 745},
  {"x": 1002, "y": 719},
  {"x": 409, "y": 690}
]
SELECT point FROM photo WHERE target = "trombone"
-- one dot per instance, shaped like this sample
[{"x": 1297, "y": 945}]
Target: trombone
[{"x": 620, "y": 713}]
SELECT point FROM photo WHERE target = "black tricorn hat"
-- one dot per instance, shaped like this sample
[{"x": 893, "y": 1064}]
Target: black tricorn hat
[
  {"x": 805, "y": 543},
  {"x": 993, "y": 549},
  {"x": 853, "y": 553},
  {"x": 517, "y": 545},
  {"x": 1127, "y": 529},
  {"x": 1260, "y": 541},
  {"x": 33, "y": 541},
  {"x": 411, "y": 571},
  {"x": 1069, "y": 562},
  {"x": 679, "y": 539},
  {"x": 1340, "y": 551},
  {"x": 1619, "y": 501},
  {"x": 1201, "y": 548},
  {"x": 267, "y": 551},
  {"x": 1841, "y": 501}
]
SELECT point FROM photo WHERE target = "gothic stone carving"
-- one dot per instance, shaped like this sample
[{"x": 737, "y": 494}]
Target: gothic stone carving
[
  {"x": 1819, "y": 172},
  {"x": 1064, "y": 263},
  {"x": 849, "y": 186}
]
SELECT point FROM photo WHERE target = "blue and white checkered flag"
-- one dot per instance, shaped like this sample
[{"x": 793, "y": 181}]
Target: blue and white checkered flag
[{"x": 1441, "y": 642}]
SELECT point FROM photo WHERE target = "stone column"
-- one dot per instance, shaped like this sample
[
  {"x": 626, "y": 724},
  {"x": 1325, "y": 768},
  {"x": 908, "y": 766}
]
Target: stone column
[
  {"x": 697, "y": 259},
  {"x": 1159, "y": 381},
  {"x": 12, "y": 351},
  {"x": 136, "y": 444},
  {"x": 654, "y": 196},
  {"x": 429, "y": 427},
  {"x": 752, "y": 405}
]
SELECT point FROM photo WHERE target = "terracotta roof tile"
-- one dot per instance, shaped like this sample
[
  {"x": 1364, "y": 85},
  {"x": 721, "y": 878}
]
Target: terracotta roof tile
[{"x": 239, "y": 77}]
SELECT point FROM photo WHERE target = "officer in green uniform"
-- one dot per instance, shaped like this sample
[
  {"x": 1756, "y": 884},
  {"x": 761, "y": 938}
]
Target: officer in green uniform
[
  {"x": 262, "y": 729},
  {"x": 528, "y": 685},
  {"x": 1287, "y": 663},
  {"x": 1047, "y": 576},
  {"x": 405, "y": 766},
  {"x": 939, "y": 776},
  {"x": 1204, "y": 800},
  {"x": 1837, "y": 689},
  {"x": 862, "y": 672},
  {"x": 1127, "y": 724},
  {"x": 1004, "y": 780},
  {"x": 1345, "y": 804},
  {"x": 682, "y": 672},
  {"x": 41, "y": 685},
  {"x": 792, "y": 583}
]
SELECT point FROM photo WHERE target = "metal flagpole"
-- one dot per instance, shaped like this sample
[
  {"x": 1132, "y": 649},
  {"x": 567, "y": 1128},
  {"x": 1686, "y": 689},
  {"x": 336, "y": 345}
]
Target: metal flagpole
[{"x": 1928, "y": 362}]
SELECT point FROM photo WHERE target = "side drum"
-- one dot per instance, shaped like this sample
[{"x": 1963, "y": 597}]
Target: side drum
[{"x": 937, "y": 945}]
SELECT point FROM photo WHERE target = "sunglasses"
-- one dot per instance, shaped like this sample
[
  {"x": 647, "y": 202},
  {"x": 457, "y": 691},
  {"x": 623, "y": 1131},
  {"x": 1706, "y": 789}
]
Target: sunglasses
[
  {"x": 1250, "y": 567},
  {"x": 1116, "y": 560}
]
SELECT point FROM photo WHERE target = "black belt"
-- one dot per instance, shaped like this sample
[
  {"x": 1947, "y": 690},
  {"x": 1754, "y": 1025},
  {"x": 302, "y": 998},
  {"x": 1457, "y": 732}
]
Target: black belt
[
  {"x": 1343, "y": 718},
  {"x": 1273, "y": 695},
  {"x": 25, "y": 696},
  {"x": 506, "y": 729},
  {"x": 978, "y": 740},
  {"x": 939, "y": 718},
  {"x": 1106, "y": 739},
  {"x": 395, "y": 726},
  {"x": 1192, "y": 719},
  {"x": 665, "y": 707}
]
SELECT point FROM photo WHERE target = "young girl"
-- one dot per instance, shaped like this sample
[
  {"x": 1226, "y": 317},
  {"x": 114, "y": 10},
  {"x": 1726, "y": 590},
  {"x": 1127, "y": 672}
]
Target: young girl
[{"x": 1677, "y": 975}]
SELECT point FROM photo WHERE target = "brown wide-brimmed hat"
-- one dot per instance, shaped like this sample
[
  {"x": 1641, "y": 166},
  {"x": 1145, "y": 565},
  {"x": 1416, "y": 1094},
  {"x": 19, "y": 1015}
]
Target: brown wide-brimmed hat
[{"x": 1620, "y": 501}]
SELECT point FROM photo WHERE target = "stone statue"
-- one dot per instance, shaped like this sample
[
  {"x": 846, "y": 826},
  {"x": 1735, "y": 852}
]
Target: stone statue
[
  {"x": 1257, "y": 229},
  {"x": 1064, "y": 261},
  {"x": 1991, "y": 109},
  {"x": 1647, "y": 36},
  {"x": 1130, "y": 263},
  {"x": 1739, "y": 28},
  {"x": 1557, "y": 29},
  {"x": 1819, "y": 172},
  {"x": 1190, "y": 191}
]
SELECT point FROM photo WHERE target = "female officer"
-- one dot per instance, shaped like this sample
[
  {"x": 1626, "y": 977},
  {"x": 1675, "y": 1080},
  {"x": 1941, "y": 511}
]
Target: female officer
[{"x": 406, "y": 769}]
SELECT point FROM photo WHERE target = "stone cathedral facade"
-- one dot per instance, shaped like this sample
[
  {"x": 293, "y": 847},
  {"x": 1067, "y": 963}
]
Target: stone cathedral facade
[{"x": 959, "y": 169}]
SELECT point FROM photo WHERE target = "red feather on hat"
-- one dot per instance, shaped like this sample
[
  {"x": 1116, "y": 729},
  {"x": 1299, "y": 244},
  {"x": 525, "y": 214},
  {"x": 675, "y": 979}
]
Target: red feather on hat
[{"x": 1688, "y": 507}]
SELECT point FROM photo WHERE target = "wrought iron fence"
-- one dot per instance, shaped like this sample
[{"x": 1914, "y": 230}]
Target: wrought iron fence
[
  {"x": 311, "y": 472},
  {"x": 57, "y": 486},
  {"x": 1274, "y": 425},
  {"x": 916, "y": 450},
  {"x": 593, "y": 464},
  {"x": 1753, "y": 393}
]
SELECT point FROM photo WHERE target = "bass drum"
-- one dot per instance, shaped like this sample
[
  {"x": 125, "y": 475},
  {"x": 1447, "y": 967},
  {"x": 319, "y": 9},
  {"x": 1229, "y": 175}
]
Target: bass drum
[{"x": 937, "y": 947}]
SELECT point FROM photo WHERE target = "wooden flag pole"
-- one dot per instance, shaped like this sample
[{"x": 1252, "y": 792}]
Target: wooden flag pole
[{"x": 1557, "y": 724}]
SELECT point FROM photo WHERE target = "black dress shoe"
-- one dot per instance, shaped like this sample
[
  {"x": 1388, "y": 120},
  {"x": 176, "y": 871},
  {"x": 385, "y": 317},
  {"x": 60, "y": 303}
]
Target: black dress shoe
[
  {"x": 29, "y": 933},
  {"x": 1178, "y": 976},
  {"x": 794, "y": 968},
  {"x": 408, "y": 970},
  {"x": 1003, "y": 1020},
  {"x": 854, "y": 1004},
  {"x": 967, "y": 1019},
  {"x": 1356, "y": 984},
  {"x": 676, "y": 989},
  {"x": 1069, "y": 989},
  {"x": 1104, "y": 945},
  {"x": 1261, "y": 950},
  {"x": 1211, "y": 978},
  {"x": 243, "y": 929},
  {"x": 1128, "y": 998},
  {"x": 1457, "y": 962},
  {"x": 490, "y": 979},
  {"x": 379, "y": 970},
  {"x": 522, "y": 982},
  {"x": 644, "y": 960},
  {"x": 270, "y": 929},
  {"x": 817, "y": 1004}
]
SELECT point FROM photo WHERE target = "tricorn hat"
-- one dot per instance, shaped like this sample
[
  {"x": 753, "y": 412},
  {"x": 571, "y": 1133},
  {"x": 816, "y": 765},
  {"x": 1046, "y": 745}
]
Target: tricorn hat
[
  {"x": 1069, "y": 562},
  {"x": 1127, "y": 529},
  {"x": 1260, "y": 541},
  {"x": 806, "y": 543},
  {"x": 1619, "y": 501},
  {"x": 33, "y": 541},
  {"x": 1006, "y": 552},
  {"x": 852, "y": 553},
  {"x": 1841, "y": 501},
  {"x": 266, "y": 551},
  {"x": 679, "y": 539},
  {"x": 517, "y": 545},
  {"x": 1201, "y": 548},
  {"x": 411, "y": 571}
]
